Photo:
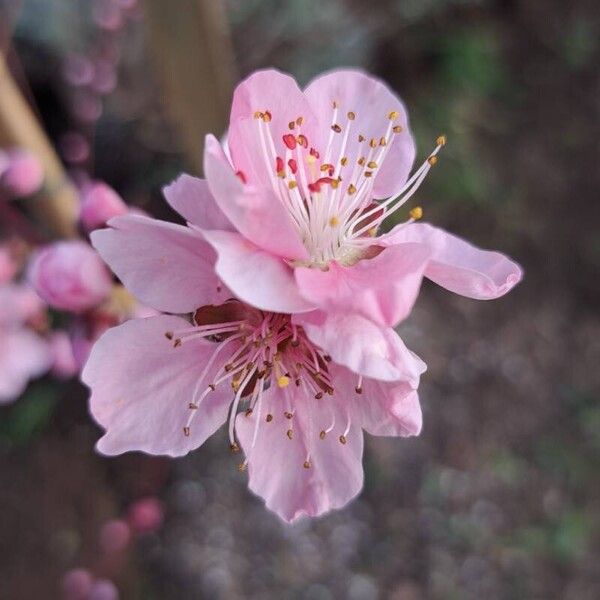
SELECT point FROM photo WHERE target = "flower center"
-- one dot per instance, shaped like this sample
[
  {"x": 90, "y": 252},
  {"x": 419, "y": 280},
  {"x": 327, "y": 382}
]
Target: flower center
[
  {"x": 257, "y": 351},
  {"x": 329, "y": 196}
]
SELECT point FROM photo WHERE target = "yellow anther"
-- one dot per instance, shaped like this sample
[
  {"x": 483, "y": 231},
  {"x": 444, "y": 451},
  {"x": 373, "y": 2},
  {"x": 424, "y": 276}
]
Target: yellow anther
[
  {"x": 432, "y": 160},
  {"x": 373, "y": 143},
  {"x": 393, "y": 115},
  {"x": 336, "y": 128},
  {"x": 334, "y": 221},
  {"x": 351, "y": 189},
  {"x": 234, "y": 447},
  {"x": 416, "y": 213},
  {"x": 299, "y": 121},
  {"x": 441, "y": 141},
  {"x": 344, "y": 161},
  {"x": 307, "y": 464},
  {"x": 397, "y": 129},
  {"x": 292, "y": 185},
  {"x": 372, "y": 232},
  {"x": 361, "y": 161},
  {"x": 310, "y": 159},
  {"x": 290, "y": 433},
  {"x": 368, "y": 173},
  {"x": 351, "y": 116},
  {"x": 283, "y": 381},
  {"x": 372, "y": 164},
  {"x": 242, "y": 467},
  {"x": 382, "y": 141},
  {"x": 258, "y": 114},
  {"x": 335, "y": 183}
]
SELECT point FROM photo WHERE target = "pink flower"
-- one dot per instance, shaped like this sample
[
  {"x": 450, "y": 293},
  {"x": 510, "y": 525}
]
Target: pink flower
[
  {"x": 99, "y": 204},
  {"x": 23, "y": 354},
  {"x": 310, "y": 178},
  {"x": 70, "y": 276},
  {"x": 77, "y": 584},
  {"x": 23, "y": 174}
]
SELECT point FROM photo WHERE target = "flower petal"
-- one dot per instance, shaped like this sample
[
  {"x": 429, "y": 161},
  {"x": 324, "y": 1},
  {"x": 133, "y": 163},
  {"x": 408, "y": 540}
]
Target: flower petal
[
  {"x": 257, "y": 213},
  {"x": 191, "y": 198},
  {"x": 371, "y": 101},
  {"x": 382, "y": 289},
  {"x": 276, "y": 462},
  {"x": 459, "y": 266},
  {"x": 166, "y": 266},
  {"x": 382, "y": 408},
  {"x": 363, "y": 346},
  {"x": 23, "y": 356},
  {"x": 142, "y": 386},
  {"x": 255, "y": 276},
  {"x": 271, "y": 91}
]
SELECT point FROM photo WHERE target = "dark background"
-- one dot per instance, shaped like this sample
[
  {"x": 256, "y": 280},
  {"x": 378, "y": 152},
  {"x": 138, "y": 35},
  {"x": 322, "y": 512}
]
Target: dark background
[{"x": 499, "y": 498}]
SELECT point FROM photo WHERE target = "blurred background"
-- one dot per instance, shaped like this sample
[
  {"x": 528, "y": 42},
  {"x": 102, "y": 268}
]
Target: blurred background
[{"x": 499, "y": 497}]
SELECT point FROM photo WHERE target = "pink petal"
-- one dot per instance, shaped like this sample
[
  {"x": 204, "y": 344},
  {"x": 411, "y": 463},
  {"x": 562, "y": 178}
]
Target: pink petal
[
  {"x": 255, "y": 276},
  {"x": 257, "y": 213},
  {"x": 18, "y": 303},
  {"x": 383, "y": 408},
  {"x": 372, "y": 102},
  {"x": 166, "y": 266},
  {"x": 23, "y": 356},
  {"x": 459, "y": 266},
  {"x": 192, "y": 199},
  {"x": 276, "y": 463},
  {"x": 363, "y": 346},
  {"x": 382, "y": 289},
  {"x": 141, "y": 388},
  {"x": 278, "y": 94}
]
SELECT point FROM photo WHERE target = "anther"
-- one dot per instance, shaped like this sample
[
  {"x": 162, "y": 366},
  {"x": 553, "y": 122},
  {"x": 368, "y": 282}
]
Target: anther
[
  {"x": 351, "y": 189},
  {"x": 322, "y": 434},
  {"x": 241, "y": 176},
  {"x": 382, "y": 141},
  {"x": 397, "y": 129},
  {"x": 393, "y": 115},
  {"x": 432, "y": 160},
  {"x": 318, "y": 395},
  {"x": 295, "y": 343},
  {"x": 358, "y": 389},
  {"x": 192, "y": 406},
  {"x": 372, "y": 164},
  {"x": 334, "y": 221},
  {"x": 234, "y": 447},
  {"x": 351, "y": 116},
  {"x": 288, "y": 415},
  {"x": 242, "y": 467},
  {"x": 306, "y": 464},
  {"x": 283, "y": 381},
  {"x": 299, "y": 121},
  {"x": 248, "y": 412},
  {"x": 368, "y": 173},
  {"x": 344, "y": 161},
  {"x": 269, "y": 418},
  {"x": 293, "y": 165},
  {"x": 334, "y": 104},
  {"x": 290, "y": 433},
  {"x": 373, "y": 143},
  {"x": 267, "y": 116},
  {"x": 292, "y": 124},
  {"x": 290, "y": 141},
  {"x": 169, "y": 335},
  {"x": 361, "y": 138},
  {"x": 278, "y": 164},
  {"x": 336, "y": 128},
  {"x": 343, "y": 439},
  {"x": 212, "y": 387},
  {"x": 416, "y": 213},
  {"x": 292, "y": 185},
  {"x": 177, "y": 343},
  {"x": 327, "y": 167},
  {"x": 258, "y": 114},
  {"x": 186, "y": 431},
  {"x": 441, "y": 141},
  {"x": 361, "y": 161},
  {"x": 302, "y": 140}
]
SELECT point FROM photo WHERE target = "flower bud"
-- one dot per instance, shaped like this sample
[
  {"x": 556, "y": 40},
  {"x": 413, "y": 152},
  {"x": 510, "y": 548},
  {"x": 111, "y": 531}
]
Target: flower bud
[
  {"x": 77, "y": 584},
  {"x": 23, "y": 174},
  {"x": 99, "y": 204},
  {"x": 146, "y": 515},
  {"x": 103, "y": 589},
  {"x": 70, "y": 276}
]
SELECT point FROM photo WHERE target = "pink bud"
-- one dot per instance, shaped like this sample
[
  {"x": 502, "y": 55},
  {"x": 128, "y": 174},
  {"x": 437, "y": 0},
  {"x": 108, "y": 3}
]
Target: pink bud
[
  {"x": 74, "y": 147},
  {"x": 103, "y": 589},
  {"x": 64, "y": 364},
  {"x": 70, "y": 276},
  {"x": 8, "y": 266},
  {"x": 99, "y": 204},
  {"x": 77, "y": 70},
  {"x": 146, "y": 515},
  {"x": 114, "y": 536},
  {"x": 105, "y": 77},
  {"x": 77, "y": 584},
  {"x": 23, "y": 174}
]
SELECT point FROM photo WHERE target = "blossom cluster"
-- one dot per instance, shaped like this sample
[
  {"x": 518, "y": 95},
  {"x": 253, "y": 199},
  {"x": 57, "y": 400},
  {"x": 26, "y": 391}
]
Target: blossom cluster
[{"x": 277, "y": 300}]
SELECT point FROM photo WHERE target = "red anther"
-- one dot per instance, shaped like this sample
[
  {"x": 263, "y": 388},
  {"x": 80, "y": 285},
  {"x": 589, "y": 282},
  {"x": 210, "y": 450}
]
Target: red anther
[
  {"x": 326, "y": 167},
  {"x": 324, "y": 181},
  {"x": 302, "y": 140},
  {"x": 289, "y": 140},
  {"x": 242, "y": 177},
  {"x": 314, "y": 153},
  {"x": 314, "y": 187},
  {"x": 279, "y": 164},
  {"x": 293, "y": 165}
]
